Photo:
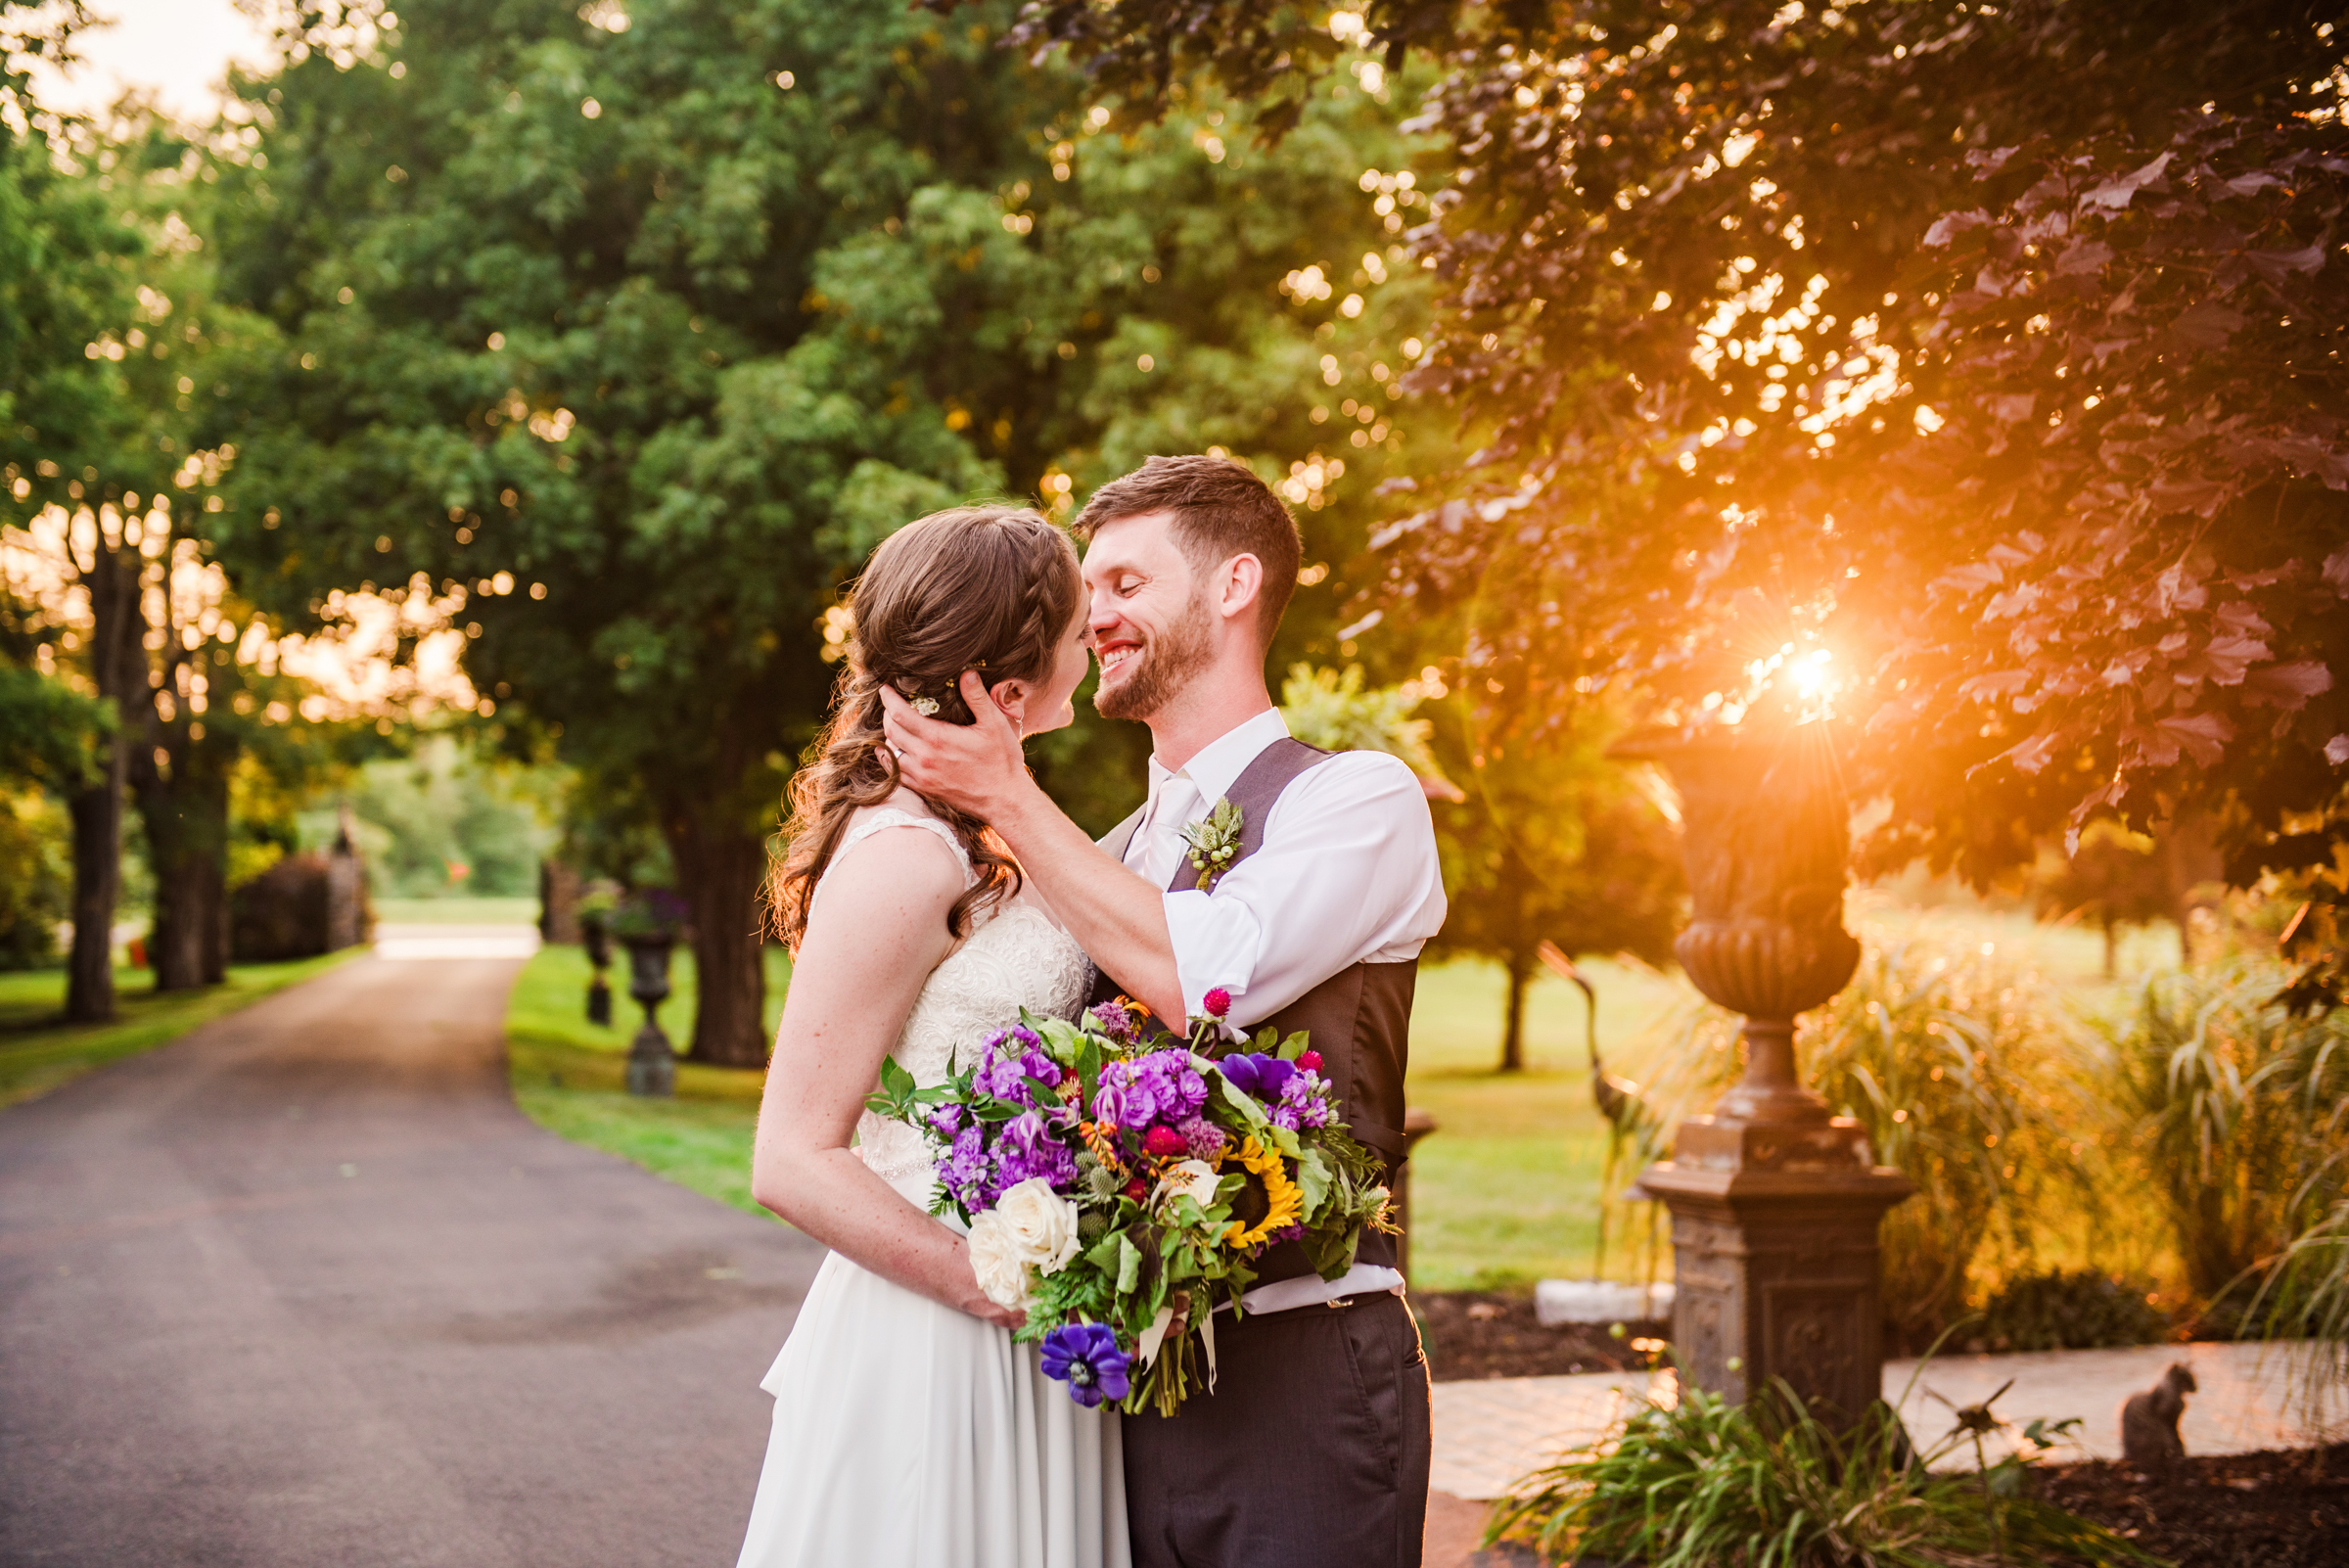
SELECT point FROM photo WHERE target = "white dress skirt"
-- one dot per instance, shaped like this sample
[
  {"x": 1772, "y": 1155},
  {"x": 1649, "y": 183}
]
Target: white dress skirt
[{"x": 907, "y": 1434}]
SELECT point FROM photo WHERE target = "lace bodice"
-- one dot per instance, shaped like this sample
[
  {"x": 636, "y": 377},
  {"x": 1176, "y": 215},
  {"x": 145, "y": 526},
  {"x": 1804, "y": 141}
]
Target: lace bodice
[{"x": 1015, "y": 958}]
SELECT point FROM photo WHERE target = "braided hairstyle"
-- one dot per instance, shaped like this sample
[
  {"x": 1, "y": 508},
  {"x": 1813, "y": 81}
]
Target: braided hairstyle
[{"x": 989, "y": 589}]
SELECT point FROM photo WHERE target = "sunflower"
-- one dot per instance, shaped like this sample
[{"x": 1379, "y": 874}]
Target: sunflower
[{"x": 1287, "y": 1203}]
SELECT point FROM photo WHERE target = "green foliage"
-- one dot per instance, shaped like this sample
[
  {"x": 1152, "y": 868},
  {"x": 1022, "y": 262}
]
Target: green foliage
[
  {"x": 2235, "y": 1111},
  {"x": 2306, "y": 1296},
  {"x": 663, "y": 328},
  {"x": 446, "y": 820},
  {"x": 37, "y": 884},
  {"x": 1947, "y": 1067},
  {"x": 1766, "y": 1485},
  {"x": 2069, "y": 1310},
  {"x": 49, "y": 732},
  {"x": 1554, "y": 842},
  {"x": 1331, "y": 710}
]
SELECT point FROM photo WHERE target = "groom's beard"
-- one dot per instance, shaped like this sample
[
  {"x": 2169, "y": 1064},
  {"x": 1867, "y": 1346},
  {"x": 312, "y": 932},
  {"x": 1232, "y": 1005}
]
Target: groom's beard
[{"x": 1163, "y": 666}]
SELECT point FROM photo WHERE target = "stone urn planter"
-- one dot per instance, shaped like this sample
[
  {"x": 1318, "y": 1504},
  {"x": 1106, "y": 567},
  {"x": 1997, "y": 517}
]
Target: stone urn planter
[
  {"x": 595, "y": 935},
  {"x": 1774, "y": 1200},
  {"x": 652, "y": 1061}
]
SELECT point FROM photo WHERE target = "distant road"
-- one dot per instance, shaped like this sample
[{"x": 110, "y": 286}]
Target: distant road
[{"x": 304, "y": 1288}]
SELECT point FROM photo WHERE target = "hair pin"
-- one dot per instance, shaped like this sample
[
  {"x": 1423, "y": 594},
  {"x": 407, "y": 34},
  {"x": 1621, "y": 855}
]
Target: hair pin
[{"x": 925, "y": 706}]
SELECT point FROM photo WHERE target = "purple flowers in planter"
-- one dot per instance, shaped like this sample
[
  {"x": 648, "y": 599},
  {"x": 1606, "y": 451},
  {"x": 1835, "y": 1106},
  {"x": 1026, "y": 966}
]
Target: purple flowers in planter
[{"x": 1086, "y": 1357}]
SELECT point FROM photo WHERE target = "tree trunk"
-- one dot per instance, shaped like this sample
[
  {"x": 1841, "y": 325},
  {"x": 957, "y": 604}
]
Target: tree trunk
[
  {"x": 185, "y": 806},
  {"x": 722, "y": 871},
  {"x": 1512, "y": 1040},
  {"x": 2112, "y": 941},
  {"x": 118, "y": 669},
  {"x": 96, "y": 813},
  {"x": 2194, "y": 869}
]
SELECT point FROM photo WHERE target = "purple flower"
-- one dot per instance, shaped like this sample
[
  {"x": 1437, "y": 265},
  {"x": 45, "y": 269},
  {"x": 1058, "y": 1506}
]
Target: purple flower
[
  {"x": 1260, "y": 1077},
  {"x": 964, "y": 1170},
  {"x": 1086, "y": 1357},
  {"x": 946, "y": 1121},
  {"x": 1027, "y": 1147},
  {"x": 1205, "y": 1139},
  {"x": 1004, "y": 1076},
  {"x": 1116, "y": 1022},
  {"x": 1309, "y": 1097},
  {"x": 1162, "y": 1087},
  {"x": 1274, "y": 1238}
]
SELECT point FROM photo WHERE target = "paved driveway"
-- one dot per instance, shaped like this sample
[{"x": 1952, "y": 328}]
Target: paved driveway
[{"x": 305, "y": 1288}]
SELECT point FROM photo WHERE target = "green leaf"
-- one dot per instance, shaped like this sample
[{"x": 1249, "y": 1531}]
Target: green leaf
[
  {"x": 1239, "y": 1099},
  {"x": 1130, "y": 1263},
  {"x": 1314, "y": 1179}
]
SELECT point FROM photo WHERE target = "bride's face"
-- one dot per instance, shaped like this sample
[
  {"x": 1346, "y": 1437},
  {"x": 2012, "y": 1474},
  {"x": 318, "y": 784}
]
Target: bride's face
[{"x": 1050, "y": 705}]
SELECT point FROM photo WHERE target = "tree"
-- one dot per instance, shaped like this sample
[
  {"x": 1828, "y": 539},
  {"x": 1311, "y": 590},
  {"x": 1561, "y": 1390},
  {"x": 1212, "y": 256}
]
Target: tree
[
  {"x": 628, "y": 336},
  {"x": 59, "y": 412},
  {"x": 1551, "y": 842},
  {"x": 2113, "y": 879},
  {"x": 114, "y": 330},
  {"x": 1992, "y": 352}
]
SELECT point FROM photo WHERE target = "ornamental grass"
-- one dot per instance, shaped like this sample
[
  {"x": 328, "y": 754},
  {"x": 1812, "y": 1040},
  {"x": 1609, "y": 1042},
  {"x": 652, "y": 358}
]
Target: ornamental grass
[{"x": 1705, "y": 1484}]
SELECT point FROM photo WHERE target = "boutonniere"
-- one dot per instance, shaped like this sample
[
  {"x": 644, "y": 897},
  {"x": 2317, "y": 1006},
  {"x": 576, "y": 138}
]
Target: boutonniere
[{"x": 1213, "y": 840}]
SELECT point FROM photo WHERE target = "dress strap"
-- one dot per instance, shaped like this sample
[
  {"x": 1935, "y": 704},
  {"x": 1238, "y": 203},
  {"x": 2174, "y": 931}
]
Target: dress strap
[{"x": 890, "y": 816}]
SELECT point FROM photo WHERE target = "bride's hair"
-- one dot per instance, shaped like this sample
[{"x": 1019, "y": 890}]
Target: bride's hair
[{"x": 989, "y": 589}]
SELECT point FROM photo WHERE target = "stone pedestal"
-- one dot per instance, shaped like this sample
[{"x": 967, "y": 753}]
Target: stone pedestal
[{"x": 1774, "y": 1244}]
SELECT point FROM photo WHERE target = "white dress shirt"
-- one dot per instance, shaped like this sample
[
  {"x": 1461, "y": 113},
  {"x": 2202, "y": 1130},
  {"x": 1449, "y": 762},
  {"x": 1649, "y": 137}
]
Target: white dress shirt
[{"x": 1346, "y": 873}]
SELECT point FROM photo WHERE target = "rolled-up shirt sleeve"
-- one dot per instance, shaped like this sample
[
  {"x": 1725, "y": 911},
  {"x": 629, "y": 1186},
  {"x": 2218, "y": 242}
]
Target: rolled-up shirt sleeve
[{"x": 1347, "y": 872}]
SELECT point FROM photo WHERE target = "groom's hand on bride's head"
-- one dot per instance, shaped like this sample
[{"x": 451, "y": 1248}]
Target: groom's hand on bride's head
[{"x": 966, "y": 765}]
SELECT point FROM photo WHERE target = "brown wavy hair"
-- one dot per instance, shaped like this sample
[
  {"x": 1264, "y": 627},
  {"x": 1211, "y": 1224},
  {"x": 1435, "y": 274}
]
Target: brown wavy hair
[{"x": 990, "y": 588}]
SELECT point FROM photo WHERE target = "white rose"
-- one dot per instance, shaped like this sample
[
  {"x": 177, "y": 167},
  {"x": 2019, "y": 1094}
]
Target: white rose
[
  {"x": 996, "y": 1258},
  {"x": 1041, "y": 1222},
  {"x": 1195, "y": 1179}
]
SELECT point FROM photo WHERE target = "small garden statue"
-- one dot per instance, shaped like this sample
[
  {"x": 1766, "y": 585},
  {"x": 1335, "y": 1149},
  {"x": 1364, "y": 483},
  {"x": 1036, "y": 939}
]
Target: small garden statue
[
  {"x": 648, "y": 923},
  {"x": 2149, "y": 1420}
]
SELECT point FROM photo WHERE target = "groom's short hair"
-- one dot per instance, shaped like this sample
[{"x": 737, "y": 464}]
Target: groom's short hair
[{"x": 1221, "y": 510}]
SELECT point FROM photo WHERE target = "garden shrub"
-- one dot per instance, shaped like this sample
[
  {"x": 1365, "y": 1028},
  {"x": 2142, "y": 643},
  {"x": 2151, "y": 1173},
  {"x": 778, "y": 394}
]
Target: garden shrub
[
  {"x": 2069, "y": 1310},
  {"x": 36, "y": 880},
  {"x": 1705, "y": 1484},
  {"x": 2233, "y": 1112}
]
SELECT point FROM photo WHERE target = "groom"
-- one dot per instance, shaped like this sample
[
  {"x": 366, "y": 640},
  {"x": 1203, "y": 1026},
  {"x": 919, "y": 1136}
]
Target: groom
[{"x": 1313, "y": 1449}]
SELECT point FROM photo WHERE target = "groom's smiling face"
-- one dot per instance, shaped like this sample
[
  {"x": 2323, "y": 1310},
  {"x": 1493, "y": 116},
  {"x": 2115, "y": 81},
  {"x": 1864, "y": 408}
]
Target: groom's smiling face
[{"x": 1153, "y": 630}]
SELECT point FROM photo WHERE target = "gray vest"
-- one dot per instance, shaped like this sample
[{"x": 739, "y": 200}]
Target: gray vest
[{"x": 1359, "y": 1018}]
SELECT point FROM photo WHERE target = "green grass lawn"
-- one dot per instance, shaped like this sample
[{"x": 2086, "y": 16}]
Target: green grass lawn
[
  {"x": 570, "y": 1076},
  {"x": 37, "y": 1053}
]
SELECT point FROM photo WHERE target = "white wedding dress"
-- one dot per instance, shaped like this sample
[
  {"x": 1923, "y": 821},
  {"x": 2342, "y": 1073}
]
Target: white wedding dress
[{"x": 907, "y": 1434}]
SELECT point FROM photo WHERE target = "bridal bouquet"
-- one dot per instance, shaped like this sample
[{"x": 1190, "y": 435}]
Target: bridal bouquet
[{"x": 1120, "y": 1185}]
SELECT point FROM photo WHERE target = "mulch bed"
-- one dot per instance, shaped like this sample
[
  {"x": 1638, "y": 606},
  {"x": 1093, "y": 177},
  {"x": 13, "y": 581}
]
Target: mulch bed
[
  {"x": 2231, "y": 1510},
  {"x": 1475, "y": 1334}
]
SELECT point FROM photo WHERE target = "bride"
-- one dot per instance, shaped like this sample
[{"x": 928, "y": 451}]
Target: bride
[{"x": 910, "y": 1429}]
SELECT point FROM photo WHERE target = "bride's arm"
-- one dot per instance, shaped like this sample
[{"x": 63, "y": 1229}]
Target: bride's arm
[{"x": 869, "y": 948}]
